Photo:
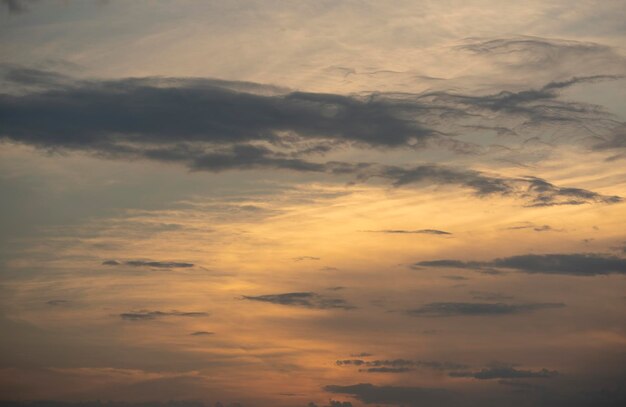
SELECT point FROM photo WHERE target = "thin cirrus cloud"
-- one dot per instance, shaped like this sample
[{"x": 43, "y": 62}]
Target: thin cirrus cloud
[
  {"x": 576, "y": 264},
  {"x": 145, "y": 315},
  {"x": 505, "y": 372},
  {"x": 418, "y": 231},
  {"x": 302, "y": 299},
  {"x": 398, "y": 365},
  {"x": 454, "y": 309},
  {"x": 202, "y": 333},
  {"x": 148, "y": 263}
]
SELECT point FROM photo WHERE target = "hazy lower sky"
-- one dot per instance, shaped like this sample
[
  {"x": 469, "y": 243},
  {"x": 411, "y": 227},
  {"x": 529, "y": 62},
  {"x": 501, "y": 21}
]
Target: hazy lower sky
[{"x": 313, "y": 203}]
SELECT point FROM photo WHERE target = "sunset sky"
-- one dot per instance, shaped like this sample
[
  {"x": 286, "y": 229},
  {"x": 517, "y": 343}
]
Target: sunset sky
[{"x": 313, "y": 203}]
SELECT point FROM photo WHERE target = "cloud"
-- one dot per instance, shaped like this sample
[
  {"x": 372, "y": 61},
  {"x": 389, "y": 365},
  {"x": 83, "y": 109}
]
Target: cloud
[
  {"x": 179, "y": 110},
  {"x": 399, "y": 364},
  {"x": 202, "y": 333},
  {"x": 412, "y": 396},
  {"x": 302, "y": 299},
  {"x": 419, "y": 231},
  {"x": 616, "y": 140},
  {"x": 17, "y": 6},
  {"x": 303, "y": 258},
  {"x": 538, "y": 54},
  {"x": 538, "y": 192},
  {"x": 151, "y": 315},
  {"x": 388, "y": 370},
  {"x": 213, "y": 125},
  {"x": 505, "y": 372},
  {"x": 55, "y": 303},
  {"x": 149, "y": 263},
  {"x": 536, "y": 228},
  {"x": 450, "y": 309},
  {"x": 577, "y": 264}
]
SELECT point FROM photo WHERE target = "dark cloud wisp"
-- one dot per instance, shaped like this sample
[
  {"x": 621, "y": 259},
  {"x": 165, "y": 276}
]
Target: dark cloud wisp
[
  {"x": 505, "y": 372},
  {"x": 576, "y": 264},
  {"x": 149, "y": 263},
  {"x": 145, "y": 315},
  {"x": 452, "y": 309},
  {"x": 302, "y": 299}
]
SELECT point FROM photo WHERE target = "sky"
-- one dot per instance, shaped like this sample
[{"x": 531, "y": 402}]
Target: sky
[{"x": 312, "y": 203}]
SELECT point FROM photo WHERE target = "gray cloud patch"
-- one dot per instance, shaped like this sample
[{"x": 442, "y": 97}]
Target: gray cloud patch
[
  {"x": 144, "y": 315},
  {"x": 577, "y": 264},
  {"x": 450, "y": 309},
  {"x": 506, "y": 372},
  {"x": 149, "y": 263},
  {"x": 398, "y": 365},
  {"x": 55, "y": 303},
  {"x": 17, "y": 6},
  {"x": 412, "y": 396},
  {"x": 202, "y": 333},
  {"x": 388, "y": 370},
  {"x": 418, "y": 231},
  {"x": 302, "y": 299}
]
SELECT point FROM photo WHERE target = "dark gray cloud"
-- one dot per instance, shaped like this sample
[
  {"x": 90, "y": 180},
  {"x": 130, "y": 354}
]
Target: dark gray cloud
[
  {"x": 412, "y": 396},
  {"x": 212, "y": 125},
  {"x": 17, "y": 6},
  {"x": 576, "y": 264},
  {"x": 57, "y": 302},
  {"x": 616, "y": 141},
  {"x": 387, "y": 370},
  {"x": 202, "y": 333},
  {"x": 398, "y": 365},
  {"x": 175, "y": 110},
  {"x": 418, "y": 231},
  {"x": 149, "y": 263},
  {"x": 302, "y": 299},
  {"x": 505, "y": 372},
  {"x": 451, "y": 309},
  {"x": 145, "y": 315}
]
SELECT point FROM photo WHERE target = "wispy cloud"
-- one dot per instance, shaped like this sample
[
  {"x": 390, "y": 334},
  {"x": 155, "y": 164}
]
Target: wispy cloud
[
  {"x": 452, "y": 309},
  {"x": 145, "y": 315},
  {"x": 148, "y": 263},
  {"x": 575, "y": 264},
  {"x": 302, "y": 299},
  {"x": 505, "y": 372}
]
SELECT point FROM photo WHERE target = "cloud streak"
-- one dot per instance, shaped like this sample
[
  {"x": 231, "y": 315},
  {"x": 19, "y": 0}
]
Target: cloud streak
[
  {"x": 302, "y": 299},
  {"x": 145, "y": 315},
  {"x": 454, "y": 309},
  {"x": 576, "y": 264},
  {"x": 505, "y": 372},
  {"x": 148, "y": 263}
]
